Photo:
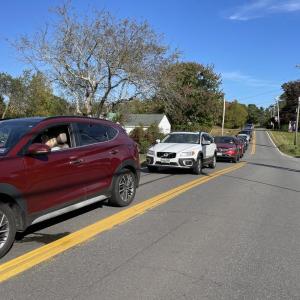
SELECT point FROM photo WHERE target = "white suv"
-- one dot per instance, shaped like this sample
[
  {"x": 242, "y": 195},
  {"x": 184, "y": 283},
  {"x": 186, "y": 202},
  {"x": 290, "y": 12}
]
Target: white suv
[{"x": 189, "y": 150}]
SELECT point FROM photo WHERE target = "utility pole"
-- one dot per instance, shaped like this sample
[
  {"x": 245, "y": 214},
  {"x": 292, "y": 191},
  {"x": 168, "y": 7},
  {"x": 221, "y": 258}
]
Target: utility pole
[
  {"x": 278, "y": 119},
  {"x": 297, "y": 122},
  {"x": 223, "y": 120}
]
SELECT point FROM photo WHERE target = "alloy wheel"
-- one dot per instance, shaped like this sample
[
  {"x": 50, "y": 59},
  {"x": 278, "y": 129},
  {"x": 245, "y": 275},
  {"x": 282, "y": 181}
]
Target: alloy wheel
[
  {"x": 4, "y": 229},
  {"x": 126, "y": 187}
]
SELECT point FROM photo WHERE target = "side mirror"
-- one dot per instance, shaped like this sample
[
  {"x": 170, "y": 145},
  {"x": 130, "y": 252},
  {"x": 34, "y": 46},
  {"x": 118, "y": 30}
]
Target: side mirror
[
  {"x": 38, "y": 149},
  {"x": 205, "y": 143},
  {"x": 157, "y": 141}
]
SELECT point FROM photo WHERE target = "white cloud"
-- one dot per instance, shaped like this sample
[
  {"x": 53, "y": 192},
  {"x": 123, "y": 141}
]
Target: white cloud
[
  {"x": 261, "y": 8},
  {"x": 247, "y": 80}
]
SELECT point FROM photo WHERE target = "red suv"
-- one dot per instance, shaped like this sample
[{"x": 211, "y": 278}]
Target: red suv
[{"x": 50, "y": 166}]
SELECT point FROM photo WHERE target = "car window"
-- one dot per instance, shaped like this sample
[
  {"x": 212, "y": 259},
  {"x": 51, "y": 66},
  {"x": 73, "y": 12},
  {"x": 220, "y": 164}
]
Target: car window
[
  {"x": 56, "y": 137},
  {"x": 95, "y": 133},
  {"x": 207, "y": 138},
  {"x": 224, "y": 140},
  {"x": 11, "y": 133},
  {"x": 184, "y": 138}
]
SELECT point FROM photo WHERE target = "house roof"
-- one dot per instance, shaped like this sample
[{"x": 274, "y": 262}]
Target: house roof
[{"x": 144, "y": 119}]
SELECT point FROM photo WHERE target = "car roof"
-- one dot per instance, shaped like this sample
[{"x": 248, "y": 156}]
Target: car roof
[{"x": 186, "y": 132}]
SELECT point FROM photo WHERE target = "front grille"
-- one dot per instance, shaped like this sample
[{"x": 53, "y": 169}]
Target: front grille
[
  {"x": 166, "y": 154},
  {"x": 167, "y": 164}
]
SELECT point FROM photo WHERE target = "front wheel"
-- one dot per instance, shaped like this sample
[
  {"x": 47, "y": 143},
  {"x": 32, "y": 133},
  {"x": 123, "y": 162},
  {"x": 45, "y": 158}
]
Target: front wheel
[
  {"x": 197, "y": 169},
  {"x": 7, "y": 229},
  {"x": 213, "y": 164},
  {"x": 123, "y": 190}
]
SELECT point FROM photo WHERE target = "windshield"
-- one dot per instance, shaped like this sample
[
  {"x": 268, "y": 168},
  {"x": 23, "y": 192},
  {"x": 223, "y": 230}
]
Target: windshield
[
  {"x": 182, "y": 138},
  {"x": 11, "y": 133},
  {"x": 224, "y": 140}
]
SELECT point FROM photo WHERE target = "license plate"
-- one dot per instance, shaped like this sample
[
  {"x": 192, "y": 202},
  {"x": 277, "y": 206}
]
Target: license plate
[
  {"x": 165, "y": 161},
  {"x": 219, "y": 154}
]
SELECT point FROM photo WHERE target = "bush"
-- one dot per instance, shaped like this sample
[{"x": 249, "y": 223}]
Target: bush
[{"x": 146, "y": 138}]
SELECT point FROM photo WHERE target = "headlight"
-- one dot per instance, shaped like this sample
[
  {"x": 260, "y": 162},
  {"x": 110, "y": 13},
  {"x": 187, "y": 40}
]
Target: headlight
[
  {"x": 187, "y": 154},
  {"x": 150, "y": 152}
]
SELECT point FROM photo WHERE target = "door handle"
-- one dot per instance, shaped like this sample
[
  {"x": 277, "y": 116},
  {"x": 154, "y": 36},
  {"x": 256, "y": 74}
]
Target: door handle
[
  {"x": 76, "y": 162},
  {"x": 114, "y": 151}
]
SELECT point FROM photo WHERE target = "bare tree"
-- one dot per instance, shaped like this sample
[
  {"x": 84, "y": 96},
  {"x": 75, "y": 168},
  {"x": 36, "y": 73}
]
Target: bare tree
[{"x": 97, "y": 59}]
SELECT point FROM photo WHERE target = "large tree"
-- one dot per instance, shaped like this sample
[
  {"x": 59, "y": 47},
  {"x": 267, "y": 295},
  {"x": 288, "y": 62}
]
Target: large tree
[
  {"x": 191, "y": 95},
  {"x": 236, "y": 115},
  {"x": 289, "y": 100},
  {"x": 96, "y": 58}
]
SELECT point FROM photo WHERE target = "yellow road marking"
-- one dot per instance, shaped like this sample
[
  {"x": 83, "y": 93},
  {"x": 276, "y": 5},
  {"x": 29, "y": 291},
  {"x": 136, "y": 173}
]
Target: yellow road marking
[
  {"x": 32, "y": 258},
  {"x": 253, "y": 144}
]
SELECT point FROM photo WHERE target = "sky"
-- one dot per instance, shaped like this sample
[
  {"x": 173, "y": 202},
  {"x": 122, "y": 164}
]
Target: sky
[{"x": 254, "y": 45}]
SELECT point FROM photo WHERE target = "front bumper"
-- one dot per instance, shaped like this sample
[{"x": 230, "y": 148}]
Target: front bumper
[{"x": 185, "y": 163}]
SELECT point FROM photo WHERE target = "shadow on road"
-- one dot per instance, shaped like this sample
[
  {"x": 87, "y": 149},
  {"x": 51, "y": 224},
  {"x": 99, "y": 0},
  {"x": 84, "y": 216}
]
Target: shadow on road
[
  {"x": 275, "y": 167},
  {"x": 264, "y": 183},
  {"x": 42, "y": 238},
  {"x": 21, "y": 237}
]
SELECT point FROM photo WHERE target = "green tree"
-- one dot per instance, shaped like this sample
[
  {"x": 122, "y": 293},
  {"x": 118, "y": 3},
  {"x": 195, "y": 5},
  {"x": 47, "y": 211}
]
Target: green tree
[
  {"x": 236, "y": 115},
  {"x": 191, "y": 95},
  {"x": 41, "y": 100},
  {"x": 291, "y": 92}
]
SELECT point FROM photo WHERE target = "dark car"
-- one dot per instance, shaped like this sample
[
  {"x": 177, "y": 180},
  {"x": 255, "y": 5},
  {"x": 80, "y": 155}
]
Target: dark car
[
  {"x": 246, "y": 131},
  {"x": 50, "y": 166},
  {"x": 227, "y": 148},
  {"x": 244, "y": 140}
]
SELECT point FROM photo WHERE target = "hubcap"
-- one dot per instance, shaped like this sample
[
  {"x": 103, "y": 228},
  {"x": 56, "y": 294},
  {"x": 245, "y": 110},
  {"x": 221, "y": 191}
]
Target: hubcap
[
  {"x": 126, "y": 187},
  {"x": 4, "y": 229}
]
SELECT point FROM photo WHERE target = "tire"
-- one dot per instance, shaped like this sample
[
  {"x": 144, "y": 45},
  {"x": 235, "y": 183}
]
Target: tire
[
  {"x": 197, "y": 168},
  {"x": 235, "y": 159},
  {"x": 7, "y": 229},
  {"x": 124, "y": 188},
  {"x": 213, "y": 164},
  {"x": 152, "y": 168}
]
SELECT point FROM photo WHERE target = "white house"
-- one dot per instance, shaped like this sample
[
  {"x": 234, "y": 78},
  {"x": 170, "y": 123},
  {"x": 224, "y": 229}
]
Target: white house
[{"x": 145, "y": 120}]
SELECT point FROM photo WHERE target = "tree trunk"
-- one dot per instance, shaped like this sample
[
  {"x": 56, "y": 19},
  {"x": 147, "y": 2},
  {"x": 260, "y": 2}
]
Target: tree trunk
[{"x": 5, "y": 110}]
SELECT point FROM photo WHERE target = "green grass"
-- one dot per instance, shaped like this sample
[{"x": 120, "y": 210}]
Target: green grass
[
  {"x": 285, "y": 142},
  {"x": 216, "y": 131}
]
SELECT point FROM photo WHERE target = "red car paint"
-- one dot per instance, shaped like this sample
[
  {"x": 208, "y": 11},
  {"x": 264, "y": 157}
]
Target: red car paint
[{"x": 39, "y": 184}]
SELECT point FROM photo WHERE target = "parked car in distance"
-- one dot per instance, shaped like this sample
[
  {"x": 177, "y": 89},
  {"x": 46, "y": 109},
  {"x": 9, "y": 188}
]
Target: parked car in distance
[
  {"x": 247, "y": 132},
  {"x": 50, "y": 166},
  {"x": 185, "y": 150},
  {"x": 244, "y": 139},
  {"x": 241, "y": 145},
  {"x": 227, "y": 148}
]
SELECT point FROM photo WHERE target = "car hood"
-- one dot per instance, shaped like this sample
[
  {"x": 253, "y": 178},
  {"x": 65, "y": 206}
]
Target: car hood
[{"x": 173, "y": 147}]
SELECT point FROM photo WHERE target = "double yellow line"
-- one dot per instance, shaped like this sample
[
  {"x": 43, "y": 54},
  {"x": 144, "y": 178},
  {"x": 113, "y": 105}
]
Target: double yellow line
[
  {"x": 253, "y": 144},
  {"x": 32, "y": 258}
]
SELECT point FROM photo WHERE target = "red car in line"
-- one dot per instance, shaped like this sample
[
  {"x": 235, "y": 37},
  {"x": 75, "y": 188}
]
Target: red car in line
[
  {"x": 50, "y": 166},
  {"x": 228, "y": 148}
]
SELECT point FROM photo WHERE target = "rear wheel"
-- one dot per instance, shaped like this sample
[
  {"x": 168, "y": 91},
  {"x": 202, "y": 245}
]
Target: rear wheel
[
  {"x": 197, "y": 169},
  {"x": 7, "y": 229},
  {"x": 124, "y": 188}
]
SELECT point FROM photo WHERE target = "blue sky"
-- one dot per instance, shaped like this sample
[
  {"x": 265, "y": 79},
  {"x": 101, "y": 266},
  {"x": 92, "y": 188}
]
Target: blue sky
[{"x": 255, "y": 45}]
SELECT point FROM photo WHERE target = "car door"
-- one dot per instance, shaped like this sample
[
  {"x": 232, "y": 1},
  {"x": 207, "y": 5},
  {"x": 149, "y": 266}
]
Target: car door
[
  {"x": 54, "y": 179},
  {"x": 98, "y": 145},
  {"x": 207, "y": 146}
]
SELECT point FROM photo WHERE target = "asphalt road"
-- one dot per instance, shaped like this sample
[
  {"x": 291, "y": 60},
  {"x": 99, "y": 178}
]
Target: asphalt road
[{"x": 234, "y": 237}]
